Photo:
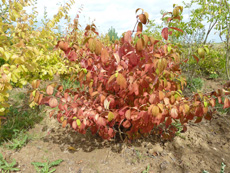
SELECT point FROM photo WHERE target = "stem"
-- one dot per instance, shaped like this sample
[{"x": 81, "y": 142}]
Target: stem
[
  {"x": 134, "y": 27},
  {"x": 227, "y": 51},
  {"x": 209, "y": 30}
]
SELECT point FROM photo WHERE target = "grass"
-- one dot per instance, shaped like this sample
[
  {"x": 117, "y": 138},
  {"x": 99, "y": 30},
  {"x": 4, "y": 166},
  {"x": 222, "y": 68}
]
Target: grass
[
  {"x": 195, "y": 84},
  {"x": 46, "y": 166},
  {"x": 20, "y": 141},
  {"x": 19, "y": 119}
]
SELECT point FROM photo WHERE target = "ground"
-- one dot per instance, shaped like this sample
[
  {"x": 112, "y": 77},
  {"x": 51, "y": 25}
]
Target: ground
[{"x": 204, "y": 147}]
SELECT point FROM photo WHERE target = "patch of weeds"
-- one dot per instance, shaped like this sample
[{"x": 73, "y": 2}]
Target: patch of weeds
[
  {"x": 20, "y": 141},
  {"x": 68, "y": 83},
  {"x": 213, "y": 76},
  {"x": 138, "y": 154},
  {"x": 221, "y": 170},
  {"x": 6, "y": 167},
  {"x": 46, "y": 166},
  {"x": 146, "y": 170},
  {"x": 219, "y": 107},
  {"x": 18, "y": 120},
  {"x": 179, "y": 128},
  {"x": 195, "y": 84}
]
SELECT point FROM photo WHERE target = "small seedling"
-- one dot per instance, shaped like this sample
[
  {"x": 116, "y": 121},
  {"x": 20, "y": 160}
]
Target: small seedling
[
  {"x": 179, "y": 128},
  {"x": 221, "y": 171},
  {"x": 6, "y": 167},
  {"x": 45, "y": 167},
  {"x": 146, "y": 170}
]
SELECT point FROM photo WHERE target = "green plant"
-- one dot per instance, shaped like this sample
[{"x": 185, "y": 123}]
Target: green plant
[
  {"x": 6, "y": 167},
  {"x": 112, "y": 34},
  {"x": 213, "y": 76},
  {"x": 195, "y": 84},
  {"x": 18, "y": 142},
  {"x": 46, "y": 166},
  {"x": 179, "y": 128},
  {"x": 221, "y": 170},
  {"x": 19, "y": 120},
  {"x": 146, "y": 170}
]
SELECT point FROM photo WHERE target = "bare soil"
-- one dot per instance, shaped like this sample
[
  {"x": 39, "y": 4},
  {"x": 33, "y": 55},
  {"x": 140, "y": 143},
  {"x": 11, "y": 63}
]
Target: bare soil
[{"x": 203, "y": 147}]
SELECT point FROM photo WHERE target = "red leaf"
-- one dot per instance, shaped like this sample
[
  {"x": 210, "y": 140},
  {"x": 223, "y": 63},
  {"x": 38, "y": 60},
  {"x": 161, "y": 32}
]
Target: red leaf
[
  {"x": 126, "y": 124},
  {"x": 165, "y": 33},
  {"x": 168, "y": 122},
  {"x": 177, "y": 29},
  {"x": 199, "y": 112},
  {"x": 49, "y": 89},
  {"x": 101, "y": 121},
  {"x": 196, "y": 58},
  {"x": 128, "y": 36},
  {"x": 198, "y": 120},
  {"x": 53, "y": 102}
]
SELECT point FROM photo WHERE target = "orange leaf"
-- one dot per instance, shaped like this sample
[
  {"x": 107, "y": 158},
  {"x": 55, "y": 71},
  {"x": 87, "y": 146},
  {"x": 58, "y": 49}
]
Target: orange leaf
[
  {"x": 155, "y": 111},
  {"x": 161, "y": 95},
  {"x": 64, "y": 123},
  {"x": 104, "y": 55},
  {"x": 128, "y": 114},
  {"x": 226, "y": 103},
  {"x": 139, "y": 27},
  {"x": 121, "y": 81}
]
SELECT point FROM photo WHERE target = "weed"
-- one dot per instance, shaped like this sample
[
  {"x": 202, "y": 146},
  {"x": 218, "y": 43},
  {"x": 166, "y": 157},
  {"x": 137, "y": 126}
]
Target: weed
[
  {"x": 220, "y": 109},
  {"x": 146, "y": 170},
  {"x": 213, "y": 76},
  {"x": 6, "y": 167},
  {"x": 221, "y": 170},
  {"x": 18, "y": 121},
  {"x": 179, "y": 128},
  {"x": 45, "y": 167},
  {"x": 67, "y": 83},
  {"x": 195, "y": 84},
  {"x": 20, "y": 141}
]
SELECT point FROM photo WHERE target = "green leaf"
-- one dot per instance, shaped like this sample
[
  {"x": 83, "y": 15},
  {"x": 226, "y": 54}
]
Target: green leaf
[
  {"x": 78, "y": 122},
  {"x": 56, "y": 163}
]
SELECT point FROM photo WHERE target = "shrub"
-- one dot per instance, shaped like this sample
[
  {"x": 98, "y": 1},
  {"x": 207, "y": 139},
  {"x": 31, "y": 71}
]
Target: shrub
[{"x": 130, "y": 88}]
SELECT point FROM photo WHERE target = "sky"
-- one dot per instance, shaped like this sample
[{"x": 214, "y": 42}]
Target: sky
[{"x": 120, "y": 14}]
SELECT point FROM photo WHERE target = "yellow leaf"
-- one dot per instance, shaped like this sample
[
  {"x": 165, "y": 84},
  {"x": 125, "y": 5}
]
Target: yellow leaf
[{"x": 110, "y": 116}]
